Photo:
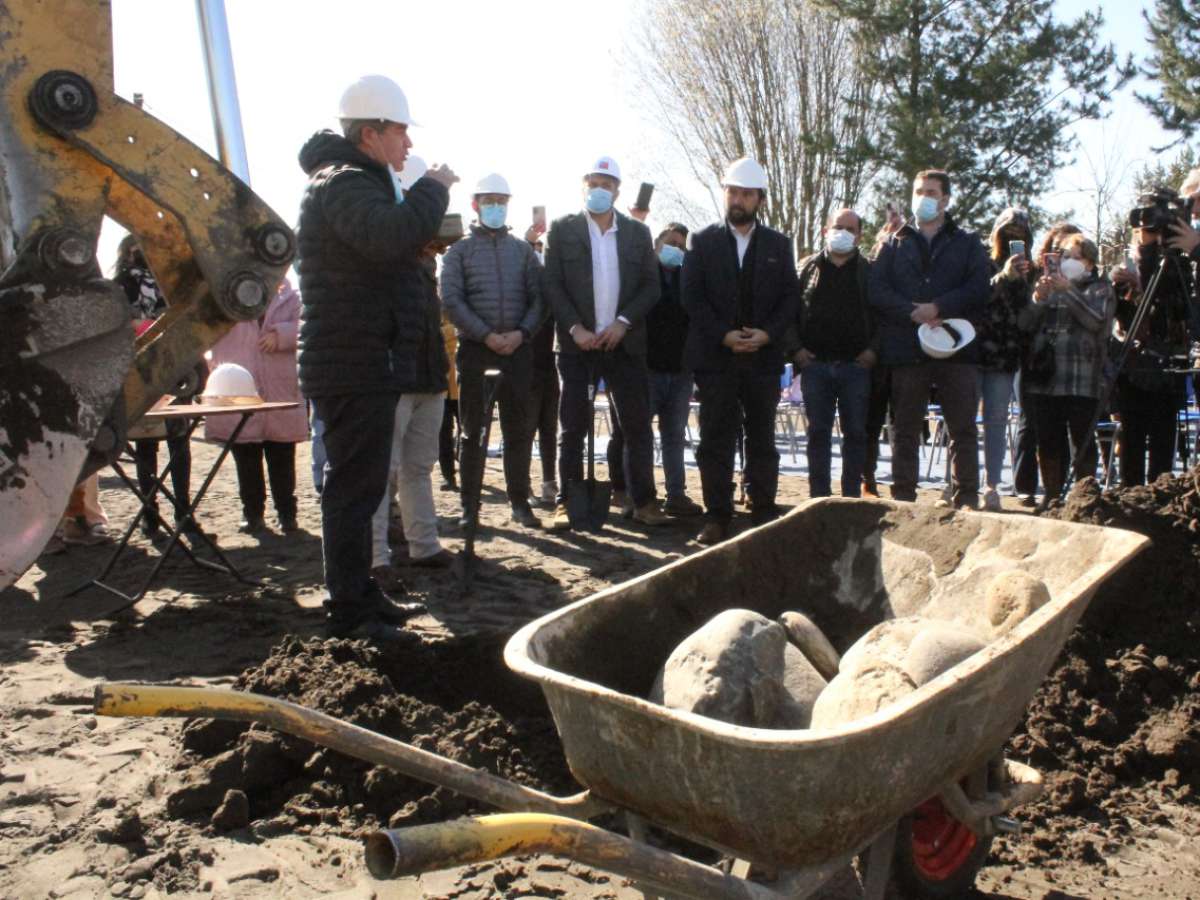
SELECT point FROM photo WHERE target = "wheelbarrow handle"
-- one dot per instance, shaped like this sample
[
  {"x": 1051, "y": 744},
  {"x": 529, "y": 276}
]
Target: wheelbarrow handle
[
  {"x": 124, "y": 699},
  {"x": 426, "y": 848}
]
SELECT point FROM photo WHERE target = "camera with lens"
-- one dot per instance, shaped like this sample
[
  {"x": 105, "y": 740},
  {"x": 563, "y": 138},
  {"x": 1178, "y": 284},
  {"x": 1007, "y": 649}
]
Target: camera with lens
[{"x": 1159, "y": 209}]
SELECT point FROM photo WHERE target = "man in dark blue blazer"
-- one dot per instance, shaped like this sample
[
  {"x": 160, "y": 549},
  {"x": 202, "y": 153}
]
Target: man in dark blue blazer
[{"x": 740, "y": 291}]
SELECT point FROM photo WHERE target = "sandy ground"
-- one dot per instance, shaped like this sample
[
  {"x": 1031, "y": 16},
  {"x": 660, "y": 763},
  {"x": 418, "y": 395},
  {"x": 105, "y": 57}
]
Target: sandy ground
[{"x": 82, "y": 798}]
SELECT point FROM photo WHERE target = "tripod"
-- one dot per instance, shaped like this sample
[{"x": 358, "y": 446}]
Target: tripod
[{"x": 1149, "y": 298}]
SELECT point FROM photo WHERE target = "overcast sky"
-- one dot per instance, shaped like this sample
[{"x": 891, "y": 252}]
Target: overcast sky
[{"x": 534, "y": 91}]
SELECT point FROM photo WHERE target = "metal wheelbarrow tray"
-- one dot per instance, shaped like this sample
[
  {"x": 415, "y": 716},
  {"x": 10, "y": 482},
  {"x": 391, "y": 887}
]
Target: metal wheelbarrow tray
[{"x": 793, "y": 799}]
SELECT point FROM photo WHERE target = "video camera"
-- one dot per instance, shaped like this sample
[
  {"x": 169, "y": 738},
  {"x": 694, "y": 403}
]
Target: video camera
[{"x": 1160, "y": 209}]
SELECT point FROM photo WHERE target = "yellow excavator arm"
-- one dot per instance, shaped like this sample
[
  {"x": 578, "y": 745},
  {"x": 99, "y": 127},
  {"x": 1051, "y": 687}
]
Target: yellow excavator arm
[{"x": 72, "y": 375}]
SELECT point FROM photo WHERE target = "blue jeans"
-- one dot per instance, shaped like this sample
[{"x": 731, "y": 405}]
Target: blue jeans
[
  {"x": 996, "y": 389},
  {"x": 846, "y": 388},
  {"x": 317, "y": 427},
  {"x": 670, "y": 400}
]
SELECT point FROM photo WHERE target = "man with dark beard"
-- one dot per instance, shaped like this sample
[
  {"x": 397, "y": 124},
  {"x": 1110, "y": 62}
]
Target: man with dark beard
[{"x": 740, "y": 292}]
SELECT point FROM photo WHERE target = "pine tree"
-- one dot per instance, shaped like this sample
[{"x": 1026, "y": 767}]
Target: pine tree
[
  {"x": 986, "y": 89},
  {"x": 1174, "y": 35}
]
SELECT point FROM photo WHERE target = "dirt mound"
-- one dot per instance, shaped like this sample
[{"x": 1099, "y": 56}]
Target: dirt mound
[
  {"x": 1116, "y": 726},
  {"x": 418, "y": 696}
]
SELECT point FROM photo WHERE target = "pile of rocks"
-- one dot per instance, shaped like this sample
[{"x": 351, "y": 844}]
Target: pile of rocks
[{"x": 743, "y": 668}]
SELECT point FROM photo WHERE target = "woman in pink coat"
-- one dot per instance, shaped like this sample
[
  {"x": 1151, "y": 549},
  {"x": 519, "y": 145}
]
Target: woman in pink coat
[{"x": 267, "y": 348}]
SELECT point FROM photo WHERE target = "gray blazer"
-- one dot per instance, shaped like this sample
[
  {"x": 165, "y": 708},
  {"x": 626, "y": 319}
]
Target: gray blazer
[{"x": 567, "y": 279}]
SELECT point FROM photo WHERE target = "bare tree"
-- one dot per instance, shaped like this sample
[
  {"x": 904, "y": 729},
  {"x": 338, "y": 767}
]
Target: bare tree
[{"x": 772, "y": 79}]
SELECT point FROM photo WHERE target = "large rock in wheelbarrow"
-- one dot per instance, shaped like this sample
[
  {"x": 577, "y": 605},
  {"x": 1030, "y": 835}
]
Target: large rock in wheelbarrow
[
  {"x": 890, "y": 661},
  {"x": 739, "y": 668},
  {"x": 1011, "y": 598},
  {"x": 937, "y": 648},
  {"x": 859, "y": 692}
]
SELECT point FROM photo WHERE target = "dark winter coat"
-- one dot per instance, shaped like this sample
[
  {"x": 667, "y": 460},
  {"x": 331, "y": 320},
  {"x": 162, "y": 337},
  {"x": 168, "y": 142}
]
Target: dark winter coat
[
  {"x": 1002, "y": 343},
  {"x": 710, "y": 297},
  {"x": 364, "y": 318},
  {"x": 667, "y": 325},
  {"x": 492, "y": 282},
  {"x": 856, "y": 310},
  {"x": 952, "y": 272}
]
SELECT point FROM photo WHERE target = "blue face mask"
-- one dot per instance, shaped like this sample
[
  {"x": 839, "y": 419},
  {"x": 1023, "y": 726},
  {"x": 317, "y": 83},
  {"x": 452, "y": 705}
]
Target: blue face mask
[
  {"x": 492, "y": 215},
  {"x": 670, "y": 256},
  {"x": 925, "y": 209},
  {"x": 599, "y": 201}
]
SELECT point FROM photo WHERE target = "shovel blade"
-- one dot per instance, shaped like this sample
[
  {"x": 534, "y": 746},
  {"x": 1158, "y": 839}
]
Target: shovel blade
[{"x": 587, "y": 503}]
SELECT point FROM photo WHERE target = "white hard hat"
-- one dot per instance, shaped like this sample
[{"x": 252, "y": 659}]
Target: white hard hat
[
  {"x": 375, "y": 97},
  {"x": 414, "y": 168},
  {"x": 492, "y": 184},
  {"x": 605, "y": 165},
  {"x": 939, "y": 343},
  {"x": 745, "y": 173},
  {"x": 229, "y": 383}
]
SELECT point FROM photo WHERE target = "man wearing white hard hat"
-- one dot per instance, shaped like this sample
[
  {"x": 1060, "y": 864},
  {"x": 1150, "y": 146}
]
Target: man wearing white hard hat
[
  {"x": 492, "y": 292},
  {"x": 601, "y": 278},
  {"x": 928, "y": 271},
  {"x": 363, "y": 317},
  {"x": 740, "y": 292}
]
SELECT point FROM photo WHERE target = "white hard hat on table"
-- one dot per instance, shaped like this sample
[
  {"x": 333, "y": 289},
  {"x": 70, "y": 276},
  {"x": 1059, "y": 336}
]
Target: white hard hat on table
[
  {"x": 745, "y": 173},
  {"x": 492, "y": 184},
  {"x": 414, "y": 168},
  {"x": 605, "y": 165},
  {"x": 375, "y": 97},
  {"x": 230, "y": 383},
  {"x": 939, "y": 343}
]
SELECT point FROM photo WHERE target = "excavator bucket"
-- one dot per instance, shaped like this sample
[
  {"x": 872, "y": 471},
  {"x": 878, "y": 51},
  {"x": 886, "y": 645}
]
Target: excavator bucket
[{"x": 73, "y": 376}]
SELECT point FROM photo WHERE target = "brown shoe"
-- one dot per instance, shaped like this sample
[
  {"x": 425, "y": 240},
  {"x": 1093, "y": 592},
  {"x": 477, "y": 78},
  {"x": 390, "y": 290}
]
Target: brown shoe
[
  {"x": 561, "y": 521},
  {"x": 650, "y": 514},
  {"x": 443, "y": 559},
  {"x": 713, "y": 533},
  {"x": 870, "y": 488}
]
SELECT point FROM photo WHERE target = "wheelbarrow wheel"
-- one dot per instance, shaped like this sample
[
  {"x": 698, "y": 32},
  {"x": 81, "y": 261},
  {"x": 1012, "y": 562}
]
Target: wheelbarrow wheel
[{"x": 936, "y": 855}]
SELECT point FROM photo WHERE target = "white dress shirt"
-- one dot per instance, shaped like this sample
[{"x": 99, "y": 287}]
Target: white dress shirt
[
  {"x": 606, "y": 276},
  {"x": 743, "y": 241}
]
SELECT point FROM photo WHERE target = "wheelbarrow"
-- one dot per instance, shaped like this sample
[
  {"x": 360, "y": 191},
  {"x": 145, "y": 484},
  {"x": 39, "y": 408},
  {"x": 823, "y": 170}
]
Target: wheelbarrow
[{"x": 917, "y": 789}]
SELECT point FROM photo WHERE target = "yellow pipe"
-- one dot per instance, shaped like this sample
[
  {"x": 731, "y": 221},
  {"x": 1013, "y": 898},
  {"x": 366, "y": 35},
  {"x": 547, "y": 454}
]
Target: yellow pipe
[
  {"x": 426, "y": 848},
  {"x": 122, "y": 699}
]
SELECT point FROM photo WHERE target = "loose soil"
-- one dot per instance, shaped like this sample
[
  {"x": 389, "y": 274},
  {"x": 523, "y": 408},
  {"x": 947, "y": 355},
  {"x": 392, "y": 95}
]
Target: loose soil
[{"x": 98, "y": 807}]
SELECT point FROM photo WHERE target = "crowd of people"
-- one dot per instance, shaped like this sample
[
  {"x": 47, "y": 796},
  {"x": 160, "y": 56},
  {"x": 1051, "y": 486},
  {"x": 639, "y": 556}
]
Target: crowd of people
[{"x": 392, "y": 356}]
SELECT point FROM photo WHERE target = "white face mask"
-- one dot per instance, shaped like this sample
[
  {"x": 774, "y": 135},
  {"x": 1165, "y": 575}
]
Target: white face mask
[
  {"x": 839, "y": 240},
  {"x": 1073, "y": 269}
]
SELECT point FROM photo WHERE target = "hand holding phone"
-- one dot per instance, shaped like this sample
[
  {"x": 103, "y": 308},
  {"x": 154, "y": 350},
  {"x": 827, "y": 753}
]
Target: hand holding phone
[
  {"x": 1016, "y": 248},
  {"x": 1050, "y": 264}
]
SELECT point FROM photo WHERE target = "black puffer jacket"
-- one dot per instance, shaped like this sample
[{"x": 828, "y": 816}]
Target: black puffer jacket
[{"x": 363, "y": 322}]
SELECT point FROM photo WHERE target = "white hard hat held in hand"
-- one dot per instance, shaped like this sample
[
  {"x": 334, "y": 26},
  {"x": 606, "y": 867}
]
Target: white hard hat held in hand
[
  {"x": 375, "y": 97},
  {"x": 605, "y": 165},
  {"x": 944, "y": 340},
  {"x": 492, "y": 184},
  {"x": 231, "y": 384},
  {"x": 745, "y": 173}
]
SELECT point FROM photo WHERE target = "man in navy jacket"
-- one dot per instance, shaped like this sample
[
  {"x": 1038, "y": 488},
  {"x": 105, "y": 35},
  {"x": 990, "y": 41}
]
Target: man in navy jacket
[
  {"x": 740, "y": 292},
  {"x": 931, "y": 270}
]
